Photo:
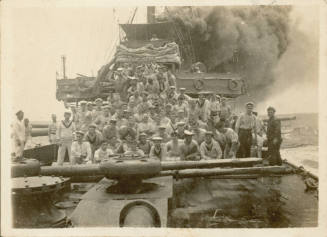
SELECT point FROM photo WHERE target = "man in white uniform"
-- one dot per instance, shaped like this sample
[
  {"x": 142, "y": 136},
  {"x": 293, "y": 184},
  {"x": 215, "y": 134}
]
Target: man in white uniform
[
  {"x": 18, "y": 135},
  {"x": 52, "y": 132},
  {"x": 65, "y": 136}
]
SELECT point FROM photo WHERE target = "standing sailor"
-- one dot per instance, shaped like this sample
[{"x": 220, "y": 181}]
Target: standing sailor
[
  {"x": 245, "y": 126},
  {"x": 274, "y": 138},
  {"x": 28, "y": 133},
  {"x": 98, "y": 112},
  {"x": 18, "y": 135},
  {"x": 66, "y": 130},
  {"x": 81, "y": 116},
  {"x": 225, "y": 111},
  {"x": 52, "y": 132}
]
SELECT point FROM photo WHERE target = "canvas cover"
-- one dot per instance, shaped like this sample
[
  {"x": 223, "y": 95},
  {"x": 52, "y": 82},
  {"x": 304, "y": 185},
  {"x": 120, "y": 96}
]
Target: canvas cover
[{"x": 169, "y": 53}]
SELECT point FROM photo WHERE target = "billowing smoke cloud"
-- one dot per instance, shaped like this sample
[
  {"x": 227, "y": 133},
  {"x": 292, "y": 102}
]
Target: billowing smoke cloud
[
  {"x": 296, "y": 74},
  {"x": 253, "y": 37}
]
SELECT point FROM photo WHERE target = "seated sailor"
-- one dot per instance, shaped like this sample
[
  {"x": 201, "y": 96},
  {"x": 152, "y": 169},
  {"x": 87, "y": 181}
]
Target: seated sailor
[
  {"x": 80, "y": 150},
  {"x": 102, "y": 153}
]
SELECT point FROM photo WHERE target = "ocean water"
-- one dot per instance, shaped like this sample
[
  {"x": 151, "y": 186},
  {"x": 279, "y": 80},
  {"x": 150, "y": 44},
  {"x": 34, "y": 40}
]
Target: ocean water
[{"x": 300, "y": 141}]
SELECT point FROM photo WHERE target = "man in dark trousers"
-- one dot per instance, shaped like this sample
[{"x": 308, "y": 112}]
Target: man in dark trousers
[
  {"x": 274, "y": 138},
  {"x": 245, "y": 126}
]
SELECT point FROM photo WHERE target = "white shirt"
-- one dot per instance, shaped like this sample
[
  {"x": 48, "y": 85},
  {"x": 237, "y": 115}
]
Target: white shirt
[
  {"x": 213, "y": 153},
  {"x": 84, "y": 149},
  {"x": 66, "y": 132},
  {"x": 18, "y": 130},
  {"x": 100, "y": 154}
]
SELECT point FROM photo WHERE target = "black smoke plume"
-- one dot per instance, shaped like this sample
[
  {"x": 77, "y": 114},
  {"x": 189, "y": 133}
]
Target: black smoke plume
[{"x": 248, "y": 40}]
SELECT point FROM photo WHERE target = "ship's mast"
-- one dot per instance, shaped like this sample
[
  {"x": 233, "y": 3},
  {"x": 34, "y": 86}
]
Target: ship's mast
[
  {"x": 63, "y": 57},
  {"x": 151, "y": 14}
]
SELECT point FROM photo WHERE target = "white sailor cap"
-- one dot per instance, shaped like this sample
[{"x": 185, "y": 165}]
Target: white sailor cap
[
  {"x": 68, "y": 112},
  {"x": 188, "y": 133},
  {"x": 156, "y": 139},
  {"x": 249, "y": 104}
]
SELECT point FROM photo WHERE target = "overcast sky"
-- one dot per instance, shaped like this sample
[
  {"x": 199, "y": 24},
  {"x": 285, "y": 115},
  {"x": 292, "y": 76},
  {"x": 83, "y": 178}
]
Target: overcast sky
[{"x": 85, "y": 35}]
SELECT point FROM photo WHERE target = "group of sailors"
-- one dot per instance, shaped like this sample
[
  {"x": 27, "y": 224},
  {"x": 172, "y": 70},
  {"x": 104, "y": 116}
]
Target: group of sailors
[{"x": 149, "y": 116}]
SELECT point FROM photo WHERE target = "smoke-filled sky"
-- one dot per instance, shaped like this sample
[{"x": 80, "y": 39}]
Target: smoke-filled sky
[
  {"x": 276, "y": 48},
  {"x": 39, "y": 36}
]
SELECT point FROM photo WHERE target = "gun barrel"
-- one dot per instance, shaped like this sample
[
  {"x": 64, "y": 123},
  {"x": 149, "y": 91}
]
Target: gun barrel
[
  {"x": 179, "y": 165},
  {"x": 94, "y": 169},
  {"x": 282, "y": 119},
  {"x": 188, "y": 173}
]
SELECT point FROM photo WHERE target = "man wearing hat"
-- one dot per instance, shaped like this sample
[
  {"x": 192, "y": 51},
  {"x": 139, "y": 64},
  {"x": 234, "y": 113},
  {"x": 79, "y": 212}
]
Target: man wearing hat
[
  {"x": 136, "y": 97},
  {"x": 162, "y": 80},
  {"x": 80, "y": 150},
  {"x": 110, "y": 130},
  {"x": 66, "y": 130},
  {"x": 199, "y": 133},
  {"x": 171, "y": 78},
  {"x": 143, "y": 107},
  {"x": 114, "y": 143},
  {"x": 128, "y": 138},
  {"x": 163, "y": 133},
  {"x": 98, "y": 108},
  {"x": 274, "y": 138},
  {"x": 103, "y": 152},
  {"x": 131, "y": 107},
  {"x": 209, "y": 148},
  {"x": 112, "y": 112},
  {"x": 183, "y": 95},
  {"x": 202, "y": 107},
  {"x": 103, "y": 119},
  {"x": 182, "y": 105},
  {"x": 132, "y": 87},
  {"x": 189, "y": 148},
  {"x": 260, "y": 136},
  {"x": 94, "y": 137},
  {"x": 146, "y": 125},
  {"x": 81, "y": 113},
  {"x": 173, "y": 146},
  {"x": 171, "y": 93},
  {"x": 152, "y": 87},
  {"x": 245, "y": 126},
  {"x": 143, "y": 143},
  {"x": 88, "y": 117},
  {"x": 18, "y": 135},
  {"x": 180, "y": 130},
  {"x": 158, "y": 150},
  {"x": 230, "y": 140},
  {"x": 74, "y": 115},
  {"x": 52, "y": 130},
  {"x": 214, "y": 103},
  {"x": 225, "y": 111},
  {"x": 181, "y": 117},
  {"x": 133, "y": 150}
]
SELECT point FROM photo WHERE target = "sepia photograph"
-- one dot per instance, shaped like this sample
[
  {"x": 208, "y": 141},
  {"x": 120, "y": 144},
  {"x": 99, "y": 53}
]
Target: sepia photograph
[{"x": 201, "y": 116}]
